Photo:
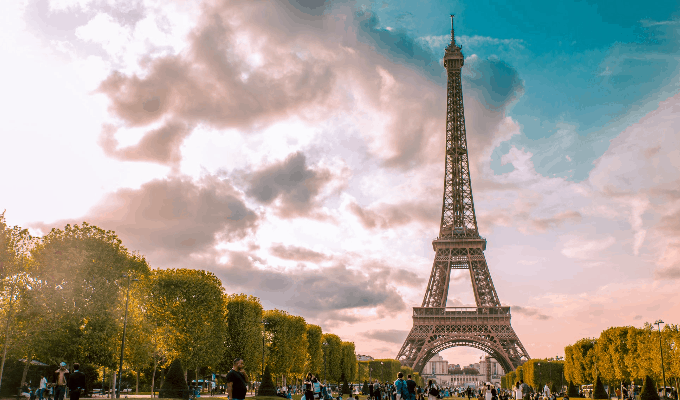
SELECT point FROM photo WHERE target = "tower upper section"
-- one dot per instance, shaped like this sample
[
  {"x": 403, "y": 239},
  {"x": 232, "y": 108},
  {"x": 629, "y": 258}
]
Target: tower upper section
[{"x": 453, "y": 57}]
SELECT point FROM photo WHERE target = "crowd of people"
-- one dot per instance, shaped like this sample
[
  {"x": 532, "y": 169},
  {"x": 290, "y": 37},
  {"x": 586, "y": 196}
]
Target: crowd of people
[{"x": 62, "y": 383}]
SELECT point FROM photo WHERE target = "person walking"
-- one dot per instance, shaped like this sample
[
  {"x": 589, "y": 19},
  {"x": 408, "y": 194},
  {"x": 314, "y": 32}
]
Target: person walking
[
  {"x": 411, "y": 387},
  {"x": 76, "y": 383},
  {"x": 432, "y": 391},
  {"x": 42, "y": 387},
  {"x": 237, "y": 381},
  {"x": 309, "y": 388},
  {"x": 401, "y": 388},
  {"x": 60, "y": 380}
]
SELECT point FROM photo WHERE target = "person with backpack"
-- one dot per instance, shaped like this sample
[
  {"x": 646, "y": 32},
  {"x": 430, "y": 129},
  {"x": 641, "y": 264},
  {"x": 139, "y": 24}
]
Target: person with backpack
[
  {"x": 432, "y": 390},
  {"x": 401, "y": 388}
]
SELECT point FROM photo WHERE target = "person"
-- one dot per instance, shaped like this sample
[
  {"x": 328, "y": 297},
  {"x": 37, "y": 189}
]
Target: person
[
  {"x": 376, "y": 390},
  {"x": 237, "y": 381},
  {"x": 76, "y": 383},
  {"x": 411, "y": 387},
  {"x": 432, "y": 391},
  {"x": 370, "y": 390},
  {"x": 546, "y": 391},
  {"x": 309, "y": 390},
  {"x": 42, "y": 387},
  {"x": 469, "y": 392},
  {"x": 317, "y": 388},
  {"x": 518, "y": 391},
  {"x": 494, "y": 393},
  {"x": 525, "y": 389},
  {"x": 401, "y": 388},
  {"x": 60, "y": 380},
  {"x": 487, "y": 391}
]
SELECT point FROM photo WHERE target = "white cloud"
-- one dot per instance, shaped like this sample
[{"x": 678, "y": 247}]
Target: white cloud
[{"x": 587, "y": 249}]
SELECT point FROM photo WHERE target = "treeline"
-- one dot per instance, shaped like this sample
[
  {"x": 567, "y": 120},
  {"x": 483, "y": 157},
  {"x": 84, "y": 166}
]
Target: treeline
[
  {"x": 620, "y": 355},
  {"x": 63, "y": 298}
]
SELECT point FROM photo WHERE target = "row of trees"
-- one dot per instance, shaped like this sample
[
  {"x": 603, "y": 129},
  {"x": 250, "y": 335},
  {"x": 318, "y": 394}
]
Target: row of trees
[
  {"x": 621, "y": 354},
  {"x": 62, "y": 298},
  {"x": 385, "y": 370},
  {"x": 536, "y": 373}
]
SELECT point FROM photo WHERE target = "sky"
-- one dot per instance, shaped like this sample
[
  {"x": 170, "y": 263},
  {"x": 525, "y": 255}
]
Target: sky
[{"x": 295, "y": 148}]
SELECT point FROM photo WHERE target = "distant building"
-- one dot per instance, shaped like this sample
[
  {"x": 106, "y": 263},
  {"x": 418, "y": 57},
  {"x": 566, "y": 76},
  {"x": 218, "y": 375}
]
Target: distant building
[
  {"x": 361, "y": 357},
  {"x": 475, "y": 375}
]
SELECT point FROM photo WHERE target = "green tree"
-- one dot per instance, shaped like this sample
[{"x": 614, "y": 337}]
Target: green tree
[
  {"x": 267, "y": 387},
  {"x": 244, "y": 331},
  {"x": 349, "y": 361},
  {"x": 174, "y": 385},
  {"x": 314, "y": 349},
  {"x": 15, "y": 247},
  {"x": 649, "y": 390},
  {"x": 190, "y": 303},
  {"x": 333, "y": 356},
  {"x": 287, "y": 343},
  {"x": 598, "y": 390},
  {"x": 583, "y": 361}
]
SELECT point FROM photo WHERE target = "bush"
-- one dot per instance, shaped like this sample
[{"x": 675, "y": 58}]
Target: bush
[
  {"x": 267, "y": 387},
  {"x": 573, "y": 390},
  {"x": 553, "y": 388},
  {"x": 649, "y": 390},
  {"x": 598, "y": 390},
  {"x": 345, "y": 385},
  {"x": 174, "y": 386}
]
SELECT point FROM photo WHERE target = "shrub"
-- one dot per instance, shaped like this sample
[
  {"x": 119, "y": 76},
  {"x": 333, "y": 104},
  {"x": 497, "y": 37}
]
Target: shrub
[
  {"x": 573, "y": 390},
  {"x": 649, "y": 390},
  {"x": 598, "y": 390},
  {"x": 364, "y": 389},
  {"x": 174, "y": 386},
  {"x": 267, "y": 387}
]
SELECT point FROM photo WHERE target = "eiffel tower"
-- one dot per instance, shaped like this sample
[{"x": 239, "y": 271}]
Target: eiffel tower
[{"x": 459, "y": 246}]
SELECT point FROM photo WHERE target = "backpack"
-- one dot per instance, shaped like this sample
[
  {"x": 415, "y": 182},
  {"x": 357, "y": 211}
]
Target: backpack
[{"x": 434, "y": 391}]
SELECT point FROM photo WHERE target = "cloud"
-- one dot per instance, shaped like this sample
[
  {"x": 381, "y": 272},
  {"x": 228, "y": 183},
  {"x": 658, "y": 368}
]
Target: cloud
[
  {"x": 529, "y": 312},
  {"x": 297, "y": 253},
  {"x": 290, "y": 185},
  {"x": 493, "y": 81},
  {"x": 160, "y": 145},
  {"x": 310, "y": 292},
  {"x": 386, "y": 335},
  {"x": 390, "y": 216},
  {"x": 172, "y": 218},
  {"x": 586, "y": 249}
]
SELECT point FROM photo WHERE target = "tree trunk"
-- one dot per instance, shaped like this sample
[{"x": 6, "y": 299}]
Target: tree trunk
[
  {"x": 4, "y": 351},
  {"x": 23, "y": 375},
  {"x": 153, "y": 377},
  {"x": 113, "y": 384},
  {"x": 137, "y": 387},
  {"x": 196, "y": 376}
]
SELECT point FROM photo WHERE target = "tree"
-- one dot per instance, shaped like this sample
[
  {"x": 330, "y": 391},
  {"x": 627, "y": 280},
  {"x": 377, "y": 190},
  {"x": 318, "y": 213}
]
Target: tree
[
  {"x": 244, "y": 331},
  {"x": 649, "y": 390},
  {"x": 174, "y": 386},
  {"x": 190, "y": 303},
  {"x": 287, "y": 342},
  {"x": 333, "y": 356},
  {"x": 583, "y": 356},
  {"x": 349, "y": 361},
  {"x": 267, "y": 387},
  {"x": 572, "y": 391},
  {"x": 598, "y": 390},
  {"x": 314, "y": 349}
]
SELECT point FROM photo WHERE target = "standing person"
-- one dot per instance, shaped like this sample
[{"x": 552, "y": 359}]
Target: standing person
[
  {"x": 317, "y": 387},
  {"x": 469, "y": 392},
  {"x": 432, "y": 391},
  {"x": 42, "y": 387},
  {"x": 411, "y": 386},
  {"x": 309, "y": 389},
  {"x": 370, "y": 390},
  {"x": 546, "y": 391},
  {"x": 518, "y": 391},
  {"x": 525, "y": 389},
  {"x": 60, "y": 379},
  {"x": 376, "y": 390},
  {"x": 401, "y": 388},
  {"x": 76, "y": 383},
  {"x": 237, "y": 381}
]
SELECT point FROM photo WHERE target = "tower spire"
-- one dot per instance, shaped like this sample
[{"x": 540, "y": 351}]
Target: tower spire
[{"x": 453, "y": 39}]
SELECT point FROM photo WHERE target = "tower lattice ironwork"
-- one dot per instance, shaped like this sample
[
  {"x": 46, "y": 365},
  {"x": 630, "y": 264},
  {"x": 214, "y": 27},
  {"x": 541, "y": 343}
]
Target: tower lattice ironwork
[{"x": 459, "y": 246}]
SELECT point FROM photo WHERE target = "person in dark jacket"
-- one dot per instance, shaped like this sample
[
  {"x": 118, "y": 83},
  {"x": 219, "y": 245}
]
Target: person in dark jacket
[{"x": 76, "y": 383}]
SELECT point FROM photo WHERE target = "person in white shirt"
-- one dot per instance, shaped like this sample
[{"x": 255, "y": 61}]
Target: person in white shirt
[
  {"x": 518, "y": 391},
  {"x": 42, "y": 387},
  {"x": 546, "y": 391}
]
